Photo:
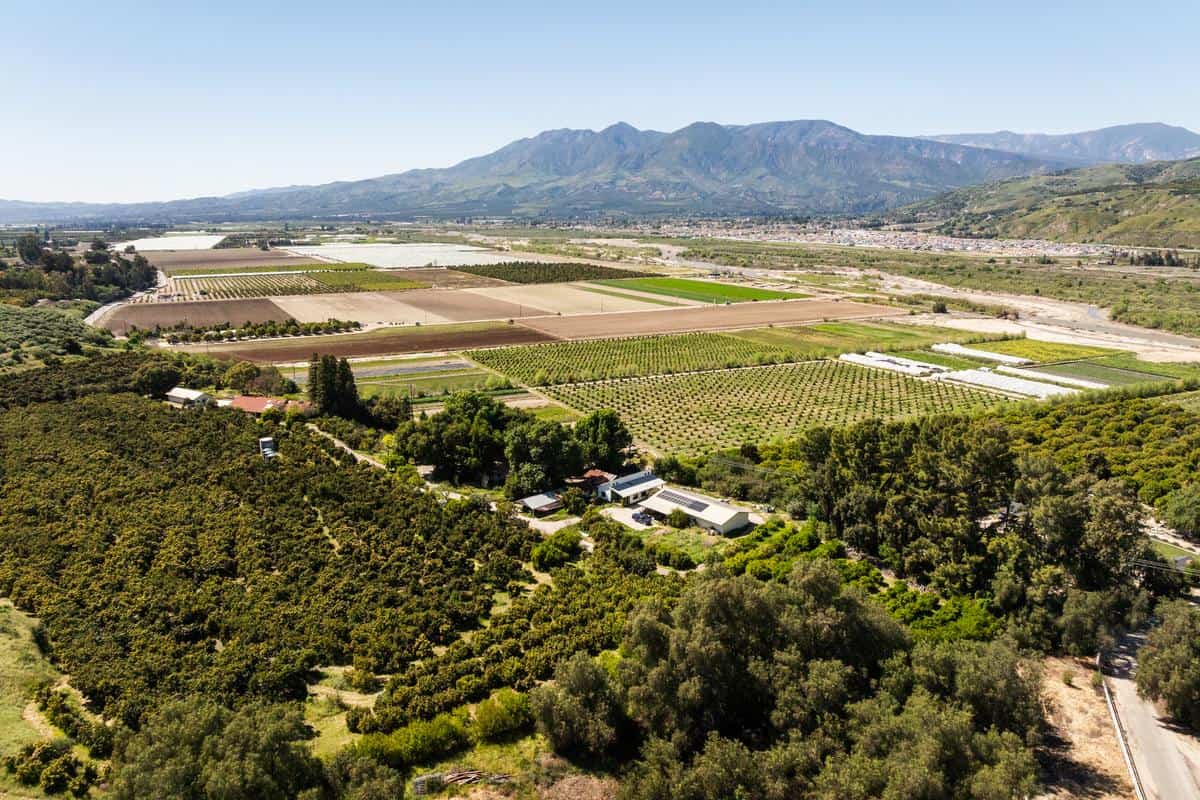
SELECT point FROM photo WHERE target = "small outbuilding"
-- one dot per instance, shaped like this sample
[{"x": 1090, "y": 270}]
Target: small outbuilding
[
  {"x": 704, "y": 512},
  {"x": 545, "y": 503},
  {"x": 629, "y": 489},
  {"x": 590, "y": 481},
  {"x": 181, "y": 397}
]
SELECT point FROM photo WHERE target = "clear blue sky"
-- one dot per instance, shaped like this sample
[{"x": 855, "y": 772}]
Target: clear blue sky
[{"x": 124, "y": 101}]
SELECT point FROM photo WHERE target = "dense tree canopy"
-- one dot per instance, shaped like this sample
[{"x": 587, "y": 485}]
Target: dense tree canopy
[{"x": 165, "y": 556}]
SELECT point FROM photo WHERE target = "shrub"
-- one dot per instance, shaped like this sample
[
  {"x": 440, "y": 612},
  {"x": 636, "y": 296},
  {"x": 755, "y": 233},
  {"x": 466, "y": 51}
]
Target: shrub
[
  {"x": 678, "y": 518},
  {"x": 504, "y": 713},
  {"x": 581, "y": 712},
  {"x": 417, "y": 742},
  {"x": 557, "y": 549}
]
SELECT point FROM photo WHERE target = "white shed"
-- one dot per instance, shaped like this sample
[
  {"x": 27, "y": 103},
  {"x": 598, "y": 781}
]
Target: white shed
[
  {"x": 187, "y": 398},
  {"x": 705, "y": 512}
]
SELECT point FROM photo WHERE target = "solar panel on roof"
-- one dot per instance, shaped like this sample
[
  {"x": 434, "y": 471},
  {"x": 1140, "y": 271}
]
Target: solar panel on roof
[
  {"x": 680, "y": 500},
  {"x": 629, "y": 480}
]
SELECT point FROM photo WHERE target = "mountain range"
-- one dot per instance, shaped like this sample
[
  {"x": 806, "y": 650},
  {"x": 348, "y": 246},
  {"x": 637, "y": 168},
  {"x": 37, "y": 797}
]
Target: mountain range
[
  {"x": 1120, "y": 144},
  {"x": 800, "y": 167},
  {"x": 805, "y": 167}
]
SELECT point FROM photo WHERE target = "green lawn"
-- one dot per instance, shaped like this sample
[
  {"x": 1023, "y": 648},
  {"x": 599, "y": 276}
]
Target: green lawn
[
  {"x": 701, "y": 291},
  {"x": 1168, "y": 550}
]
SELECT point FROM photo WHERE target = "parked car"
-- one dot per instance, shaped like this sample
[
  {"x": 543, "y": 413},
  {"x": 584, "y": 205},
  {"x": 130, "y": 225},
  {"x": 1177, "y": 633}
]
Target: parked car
[{"x": 642, "y": 518}]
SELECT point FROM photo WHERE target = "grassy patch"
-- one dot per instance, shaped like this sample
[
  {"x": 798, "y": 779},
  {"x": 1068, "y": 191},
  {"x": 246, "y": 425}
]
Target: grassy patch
[
  {"x": 626, "y": 296},
  {"x": 367, "y": 281},
  {"x": 1101, "y": 373},
  {"x": 22, "y": 669},
  {"x": 328, "y": 719},
  {"x": 1170, "y": 551},
  {"x": 940, "y": 359},
  {"x": 1044, "y": 351},
  {"x": 695, "y": 542},
  {"x": 1129, "y": 361},
  {"x": 429, "y": 384},
  {"x": 701, "y": 291},
  {"x": 553, "y": 413}
]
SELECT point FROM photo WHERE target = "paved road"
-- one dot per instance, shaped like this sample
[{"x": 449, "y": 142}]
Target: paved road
[{"x": 1167, "y": 759}]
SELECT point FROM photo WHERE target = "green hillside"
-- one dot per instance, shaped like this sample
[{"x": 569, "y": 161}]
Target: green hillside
[{"x": 1154, "y": 205}]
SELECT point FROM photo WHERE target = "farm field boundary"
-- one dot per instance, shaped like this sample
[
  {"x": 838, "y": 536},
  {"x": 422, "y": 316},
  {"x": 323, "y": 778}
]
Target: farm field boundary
[
  {"x": 598, "y": 359},
  {"x": 708, "y": 318},
  {"x": 705, "y": 411},
  {"x": 148, "y": 316},
  {"x": 700, "y": 291},
  {"x": 384, "y": 341}
]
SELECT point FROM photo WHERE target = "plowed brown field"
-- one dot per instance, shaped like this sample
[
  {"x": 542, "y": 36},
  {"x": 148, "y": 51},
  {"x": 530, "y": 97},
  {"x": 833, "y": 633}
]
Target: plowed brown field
[{"x": 706, "y": 318}]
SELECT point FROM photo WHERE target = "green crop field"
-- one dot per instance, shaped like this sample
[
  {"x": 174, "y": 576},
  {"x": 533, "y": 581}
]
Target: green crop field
[
  {"x": 706, "y": 411},
  {"x": 701, "y": 291},
  {"x": 940, "y": 359},
  {"x": 1044, "y": 351},
  {"x": 371, "y": 280},
  {"x": 598, "y": 359},
  {"x": 1102, "y": 373},
  {"x": 430, "y": 384}
]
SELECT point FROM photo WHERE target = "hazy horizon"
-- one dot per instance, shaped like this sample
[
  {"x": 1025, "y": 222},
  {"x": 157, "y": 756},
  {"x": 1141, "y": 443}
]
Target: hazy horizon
[{"x": 131, "y": 103}]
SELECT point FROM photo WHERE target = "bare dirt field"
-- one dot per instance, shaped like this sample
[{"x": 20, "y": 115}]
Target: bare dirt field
[
  {"x": 1082, "y": 758},
  {"x": 147, "y": 316},
  {"x": 171, "y": 261},
  {"x": 426, "y": 306},
  {"x": 467, "y": 305},
  {"x": 566, "y": 298},
  {"x": 369, "y": 308},
  {"x": 433, "y": 339},
  {"x": 706, "y": 318}
]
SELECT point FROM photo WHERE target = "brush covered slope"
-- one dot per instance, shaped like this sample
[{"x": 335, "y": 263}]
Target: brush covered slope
[{"x": 1153, "y": 205}]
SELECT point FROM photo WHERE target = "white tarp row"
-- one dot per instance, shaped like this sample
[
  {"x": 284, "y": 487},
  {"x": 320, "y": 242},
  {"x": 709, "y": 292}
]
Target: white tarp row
[
  {"x": 880, "y": 361},
  {"x": 1039, "y": 376},
  {"x": 1006, "y": 383}
]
